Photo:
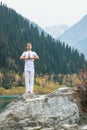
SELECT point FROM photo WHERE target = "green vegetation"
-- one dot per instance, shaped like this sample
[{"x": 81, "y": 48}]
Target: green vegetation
[
  {"x": 43, "y": 84},
  {"x": 56, "y": 58}
]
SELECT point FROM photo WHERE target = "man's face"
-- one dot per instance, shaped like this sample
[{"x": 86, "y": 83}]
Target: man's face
[{"x": 29, "y": 46}]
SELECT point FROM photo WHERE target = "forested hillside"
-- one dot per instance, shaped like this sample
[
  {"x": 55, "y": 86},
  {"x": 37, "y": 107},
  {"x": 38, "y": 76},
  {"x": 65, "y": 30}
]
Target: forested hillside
[{"x": 16, "y": 30}]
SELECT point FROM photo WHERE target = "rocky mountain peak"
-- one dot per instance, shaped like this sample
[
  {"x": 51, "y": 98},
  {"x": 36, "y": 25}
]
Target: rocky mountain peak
[
  {"x": 56, "y": 31},
  {"x": 76, "y": 36}
]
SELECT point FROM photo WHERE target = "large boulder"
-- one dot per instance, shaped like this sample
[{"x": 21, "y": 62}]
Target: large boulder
[{"x": 55, "y": 111}]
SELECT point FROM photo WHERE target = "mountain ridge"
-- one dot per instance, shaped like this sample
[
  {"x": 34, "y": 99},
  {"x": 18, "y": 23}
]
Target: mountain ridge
[
  {"x": 75, "y": 34},
  {"x": 16, "y": 31},
  {"x": 56, "y": 30}
]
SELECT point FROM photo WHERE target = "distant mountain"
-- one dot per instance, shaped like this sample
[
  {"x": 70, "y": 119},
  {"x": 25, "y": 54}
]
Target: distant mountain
[
  {"x": 39, "y": 28},
  {"x": 76, "y": 36},
  {"x": 56, "y": 31},
  {"x": 16, "y": 31}
]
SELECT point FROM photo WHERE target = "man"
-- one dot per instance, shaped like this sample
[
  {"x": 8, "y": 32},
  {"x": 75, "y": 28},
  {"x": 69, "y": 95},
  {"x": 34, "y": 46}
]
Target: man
[{"x": 29, "y": 57}]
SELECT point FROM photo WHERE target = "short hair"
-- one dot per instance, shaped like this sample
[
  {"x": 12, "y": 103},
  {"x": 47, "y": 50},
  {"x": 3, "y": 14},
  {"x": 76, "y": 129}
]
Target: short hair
[{"x": 28, "y": 43}]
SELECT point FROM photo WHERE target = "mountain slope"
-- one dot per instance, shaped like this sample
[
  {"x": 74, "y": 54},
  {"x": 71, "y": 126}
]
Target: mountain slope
[
  {"x": 39, "y": 28},
  {"x": 82, "y": 46},
  {"x": 75, "y": 35},
  {"x": 56, "y": 31},
  {"x": 16, "y": 31}
]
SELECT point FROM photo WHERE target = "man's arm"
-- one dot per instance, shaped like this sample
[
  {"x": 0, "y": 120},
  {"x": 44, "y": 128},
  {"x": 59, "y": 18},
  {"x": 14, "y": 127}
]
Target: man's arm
[
  {"x": 22, "y": 57},
  {"x": 36, "y": 57}
]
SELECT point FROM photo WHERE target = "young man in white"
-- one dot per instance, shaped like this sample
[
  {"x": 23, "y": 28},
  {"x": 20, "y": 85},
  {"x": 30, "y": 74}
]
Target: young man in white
[{"x": 29, "y": 57}]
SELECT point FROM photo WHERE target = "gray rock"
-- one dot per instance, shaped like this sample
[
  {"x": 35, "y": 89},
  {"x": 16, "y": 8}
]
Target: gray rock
[{"x": 45, "y": 112}]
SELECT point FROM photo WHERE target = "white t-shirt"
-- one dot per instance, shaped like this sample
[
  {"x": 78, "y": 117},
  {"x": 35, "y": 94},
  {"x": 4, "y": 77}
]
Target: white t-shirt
[{"x": 29, "y": 64}]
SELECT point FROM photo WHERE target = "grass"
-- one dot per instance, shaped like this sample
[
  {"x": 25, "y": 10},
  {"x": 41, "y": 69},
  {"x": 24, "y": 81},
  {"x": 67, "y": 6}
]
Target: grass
[
  {"x": 45, "y": 90},
  {"x": 12, "y": 91},
  {"x": 44, "y": 84},
  {"x": 38, "y": 89}
]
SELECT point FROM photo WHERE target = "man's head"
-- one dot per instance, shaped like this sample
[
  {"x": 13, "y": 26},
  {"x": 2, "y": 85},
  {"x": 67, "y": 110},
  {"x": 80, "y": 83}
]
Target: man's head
[{"x": 29, "y": 46}]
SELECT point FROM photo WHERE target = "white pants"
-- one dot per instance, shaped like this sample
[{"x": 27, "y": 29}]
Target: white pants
[{"x": 29, "y": 80}]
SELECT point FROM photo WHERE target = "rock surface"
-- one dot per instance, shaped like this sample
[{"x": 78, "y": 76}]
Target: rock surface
[{"x": 55, "y": 111}]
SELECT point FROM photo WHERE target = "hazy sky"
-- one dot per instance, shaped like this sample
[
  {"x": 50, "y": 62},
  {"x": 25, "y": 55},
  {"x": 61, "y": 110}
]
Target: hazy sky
[{"x": 50, "y": 12}]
